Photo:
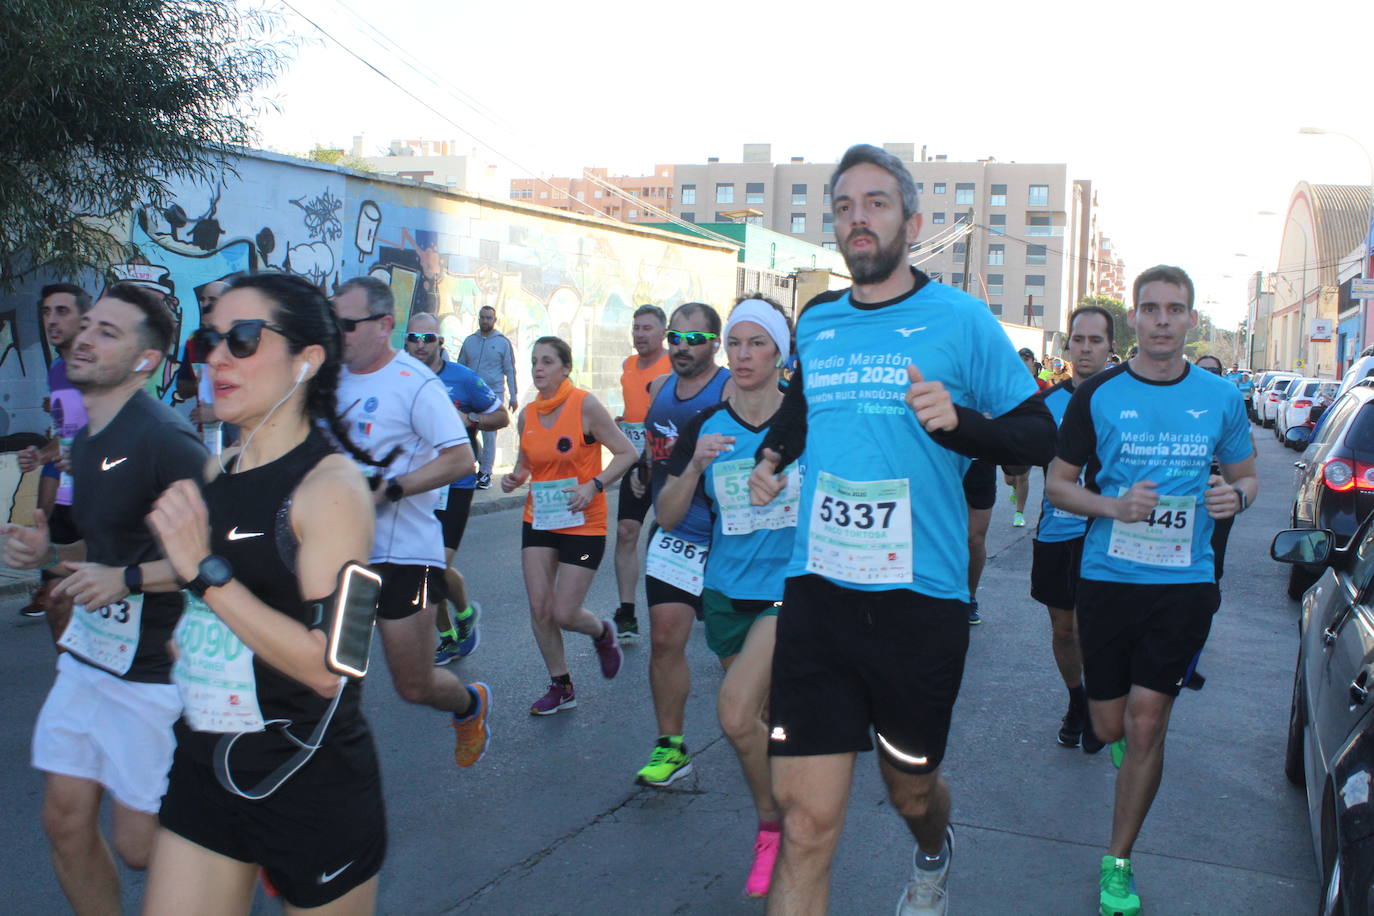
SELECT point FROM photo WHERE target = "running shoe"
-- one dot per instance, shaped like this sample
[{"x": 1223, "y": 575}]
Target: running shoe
[
  {"x": 766, "y": 846},
  {"x": 1117, "y": 884},
  {"x": 1118, "y": 751},
  {"x": 484, "y": 481},
  {"x": 1091, "y": 744},
  {"x": 974, "y": 618},
  {"x": 446, "y": 651},
  {"x": 469, "y": 637},
  {"x": 667, "y": 764},
  {"x": 626, "y": 627},
  {"x": 470, "y": 732},
  {"x": 927, "y": 893},
  {"x": 1071, "y": 728},
  {"x": 1018, "y": 520},
  {"x": 560, "y": 696},
  {"x": 32, "y": 609},
  {"x": 37, "y": 602},
  {"x": 608, "y": 651}
]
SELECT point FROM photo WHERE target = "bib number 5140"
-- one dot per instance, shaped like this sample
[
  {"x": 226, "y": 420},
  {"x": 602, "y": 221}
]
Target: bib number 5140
[{"x": 859, "y": 515}]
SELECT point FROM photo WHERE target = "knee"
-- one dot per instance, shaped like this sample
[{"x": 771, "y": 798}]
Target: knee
[
  {"x": 664, "y": 643},
  {"x": 977, "y": 542},
  {"x": 134, "y": 852},
  {"x": 626, "y": 533},
  {"x": 913, "y": 799},
  {"x": 411, "y": 689},
  {"x": 564, "y": 618},
  {"x": 1145, "y": 727},
  {"x": 68, "y": 825},
  {"x": 738, "y": 723},
  {"x": 806, "y": 830},
  {"x": 541, "y": 610}
]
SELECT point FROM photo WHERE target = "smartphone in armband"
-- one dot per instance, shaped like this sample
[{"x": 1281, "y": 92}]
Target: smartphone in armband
[{"x": 353, "y": 618}]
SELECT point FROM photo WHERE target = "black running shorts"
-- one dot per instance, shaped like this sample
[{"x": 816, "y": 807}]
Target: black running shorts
[
  {"x": 634, "y": 508},
  {"x": 408, "y": 590},
  {"x": 454, "y": 516},
  {"x": 848, "y": 661},
  {"x": 980, "y": 484},
  {"x": 1054, "y": 572},
  {"x": 573, "y": 549},
  {"x": 1142, "y": 634}
]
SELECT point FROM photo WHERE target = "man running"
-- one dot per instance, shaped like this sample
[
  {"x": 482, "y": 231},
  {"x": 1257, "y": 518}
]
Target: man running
[
  {"x": 480, "y": 408},
  {"x": 398, "y": 410},
  {"x": 904, "y": 381},
  {"x": 1144, "y": 435},
  {"x": 491, "y": 355},
  {"x": 1058, "y": 539},
  {"x": 650, "y": 360},
  {"x": 106, "y": 725}
]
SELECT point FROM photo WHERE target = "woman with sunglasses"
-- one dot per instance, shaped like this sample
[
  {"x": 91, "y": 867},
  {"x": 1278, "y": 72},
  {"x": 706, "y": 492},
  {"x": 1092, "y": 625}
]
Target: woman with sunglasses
[
  {"x": 564, "y": 532},
  {"x": 260, "y": 554},
  {"x": 750, "y": 548}
]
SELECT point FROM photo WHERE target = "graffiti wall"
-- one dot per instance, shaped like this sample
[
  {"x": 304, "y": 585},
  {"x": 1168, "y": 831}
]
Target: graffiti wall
[{"x": 445, "y": 253}]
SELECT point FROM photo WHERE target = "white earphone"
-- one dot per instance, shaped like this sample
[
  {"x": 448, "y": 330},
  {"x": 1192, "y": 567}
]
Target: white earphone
[
  {"x": 300, "y": 376},
  {"x": 143, "y": 364}
]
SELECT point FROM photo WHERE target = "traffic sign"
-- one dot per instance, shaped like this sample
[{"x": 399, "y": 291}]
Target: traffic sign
[{"x": 1362, "y": 288}]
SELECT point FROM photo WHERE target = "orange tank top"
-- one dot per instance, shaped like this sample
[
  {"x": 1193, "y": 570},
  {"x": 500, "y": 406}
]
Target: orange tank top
[
  {"x": 561, "y": 452},
  {"x": 634, "y": 385}
]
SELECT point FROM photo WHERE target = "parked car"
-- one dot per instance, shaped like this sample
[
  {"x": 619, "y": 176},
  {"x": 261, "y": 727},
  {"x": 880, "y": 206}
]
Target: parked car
[
  {"x": 1330, "y": 745},
  {"x": 1361, "y": 369},
  {"x": 1296, "y": 407},
  {"x": 1262, "y": 380},
  {"x": 1266, "y": 407}
]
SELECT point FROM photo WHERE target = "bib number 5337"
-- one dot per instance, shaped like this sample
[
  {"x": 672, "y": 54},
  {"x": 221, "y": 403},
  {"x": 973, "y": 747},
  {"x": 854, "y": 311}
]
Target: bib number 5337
[
  {"x": 859, "y": 515},
  {"x": 860, "y": 530}
]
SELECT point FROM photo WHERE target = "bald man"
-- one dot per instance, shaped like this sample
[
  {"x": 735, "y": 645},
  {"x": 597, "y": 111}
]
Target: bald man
[{"x": 480, "y": 408}]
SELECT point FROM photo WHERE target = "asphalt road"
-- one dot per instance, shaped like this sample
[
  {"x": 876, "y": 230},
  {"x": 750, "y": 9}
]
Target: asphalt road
[{"x": 550, "y": 821}]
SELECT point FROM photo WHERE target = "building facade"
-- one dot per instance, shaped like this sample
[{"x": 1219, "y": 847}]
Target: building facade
[{"x": 590, "y": 196}]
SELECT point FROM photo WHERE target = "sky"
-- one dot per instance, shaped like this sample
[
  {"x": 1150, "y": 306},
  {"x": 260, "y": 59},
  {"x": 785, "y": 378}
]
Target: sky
[{"x": 1185, "y": 116}]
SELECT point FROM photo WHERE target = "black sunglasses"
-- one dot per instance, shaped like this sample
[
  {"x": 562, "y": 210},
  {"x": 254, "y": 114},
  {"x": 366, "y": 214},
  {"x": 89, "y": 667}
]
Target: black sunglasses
[
  {"x": 427, "y": 337},
  {"x": 690, "y": 338},
  {"x": 349, "y": 325},
  {"x": 242, "y": 337}
]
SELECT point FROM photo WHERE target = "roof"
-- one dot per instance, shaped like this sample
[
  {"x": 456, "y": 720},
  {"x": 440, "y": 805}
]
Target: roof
[{"x": 1341, "y": 214}]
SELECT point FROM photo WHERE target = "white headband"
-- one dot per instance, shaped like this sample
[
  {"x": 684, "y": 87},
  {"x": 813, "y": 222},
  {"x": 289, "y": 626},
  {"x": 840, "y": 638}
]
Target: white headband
[{"x": 767, "y": 317}]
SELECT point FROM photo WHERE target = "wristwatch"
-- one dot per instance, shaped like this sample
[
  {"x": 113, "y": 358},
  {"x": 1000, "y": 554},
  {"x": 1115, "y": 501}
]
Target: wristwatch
[
  {"x": 394, "y": 491},
  {"x": 213, "y": 572},
  {"x": 600, "y": 487},
  {"x": 133, "y": 579},
  {"x": 1244, "y": 503}
]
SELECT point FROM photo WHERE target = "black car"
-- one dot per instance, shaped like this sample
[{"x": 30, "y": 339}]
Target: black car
[
  {"x": 1335, "y": 485},
  {"x": 1330, "y": 747}
]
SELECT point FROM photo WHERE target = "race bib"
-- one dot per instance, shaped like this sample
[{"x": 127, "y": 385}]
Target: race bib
[
  {"x": 678, "y": 562},
  {"x": 441, "y": 499},
  {"x": 64, "y": 478},
  {"x": 210, "y": 438},
  {"x": 214, "y": 673},
  {"x": 635, "y": 433},
  {"x": 860, "y": 530},
  {"x": 105, "y": 636},
  {"x": 1162, "y": 538},
  {"x": 551, "y": 512},
  {"x": 737, "y": 514},
  {"x": 1068, "y": 516}
]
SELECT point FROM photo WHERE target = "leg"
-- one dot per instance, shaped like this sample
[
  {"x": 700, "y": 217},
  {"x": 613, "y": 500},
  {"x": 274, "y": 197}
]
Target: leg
[
  {"x": 571, "y": 590},
  {"x": 813, "y": 793},
  {"x": 82, "y": 860},
  {"x": 978, "y": 521},
  {"x": 541, "y": 568},
  {"x": 1147, "y": 722},
  {"x": 1021, "y": 484},
  {"x": 457, "y": 591},
  {"x": 627, "y": 558},
  {"x": 187, "y": 878},
  {"x": 409, "y": 648},
  {"x": 134, "y": 833},
  {"x": 1108, "y": 718},
  {"x": 488, "y": 454},
  {"x": 361, "y": 901},
  {"x": 742, "y": 710},
  {"x": 670, "y": 680},
  {"x": 1064, "y": 641},
  {"x": 922, "y": 799}
]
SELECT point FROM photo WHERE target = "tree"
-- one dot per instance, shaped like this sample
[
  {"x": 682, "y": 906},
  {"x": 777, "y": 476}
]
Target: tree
[
  {"x": 103, "y": 102},
  {"x": 335, "y": 157},
  {"x": 1124, "y": 333}
]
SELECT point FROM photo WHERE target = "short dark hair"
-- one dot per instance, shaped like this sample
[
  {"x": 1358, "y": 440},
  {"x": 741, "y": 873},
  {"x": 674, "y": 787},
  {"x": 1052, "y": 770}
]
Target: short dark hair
[
  {"x": 866, "y": 152},
  {"x": 380, "y": 300},
  {"x": 1162, "y": 273},
  {"x": 688, "y": 309},
  {"x": 1095, "y": 310},
  {"x": 560, "y": 346},
  {"x": 652, "y": 310},
  {"x": 487, "y": 308},
  {"x": 157, "y": 328},
  {"x": 83, "y": 298}
]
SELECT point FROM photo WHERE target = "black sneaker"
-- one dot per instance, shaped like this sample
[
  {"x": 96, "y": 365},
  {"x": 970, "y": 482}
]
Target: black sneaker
[
  {"x": 484, "y": 481},
  {"x": 1091, "y": 744},
  {"x": 626, "y": 627},
  {"x": 974, "y": 618},
  {"x": 1071, "y": 728},
  {"x": 31, "y": 610}
]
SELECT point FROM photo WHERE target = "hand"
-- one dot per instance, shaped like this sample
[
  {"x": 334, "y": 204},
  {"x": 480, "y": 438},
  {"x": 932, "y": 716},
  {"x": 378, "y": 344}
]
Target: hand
[
  {"x": 765, "y": 483},
  {"x": 514, "y": 405},
  {"x": 29, "y": 459},
  {"x": 92, "y": 584},
  {"x": 204, "y": 413},
  {"x": 639, "y": 481},
  {"x": 514, "y": 480},
  {"x": 1221, "y": 499},
  {"x": 709, "y": 447},
  {"x": 580, "y": 496},
  {"x": 64, "y": 461},
  {"x": 182, "y": 524},
  {"x": 27, "y": 547},
  {"x": 930, "y": 402},
  {"x": 1137, "y": 502}
]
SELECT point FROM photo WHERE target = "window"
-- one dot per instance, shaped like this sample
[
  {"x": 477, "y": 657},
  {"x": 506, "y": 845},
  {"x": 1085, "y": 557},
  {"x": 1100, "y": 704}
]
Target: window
[
  {"x": 1038, "y": 221},
  {"x": 962, "y": 217},
  {"x": 753, "y": 192},
  {"x": 956, "y": 279},
  {"x": 543, "y": 195},
  {"x": 798, "y": 223},
  {"x": 960, "y": 249},
  {"x": 581, "y": 195},
  {"x": 827, "y": 220},
  {"x": 1038, "y": 195},
  {"x": 920, "y": 187},
  {"x": 963, "y": 192},
  {"x": 997, "y": 223},
  {"x": 1035, "y": 254},
  {"x": 722, "y": 218},
  {"x": 997, "y": 196},
  {"x": 689, "y": 217},
  {"x": 995, "y": 284},
  {"x": 939, "y": 187},
  {"x": 725, "y": 193},
  {"x": 799, "y": 195},
  {"x": 996, "y": 255},
  {"x": 995, "y": 308},
  {"x": 1035, "y": 284},
  {"x": 689, "y": 194},
  {"x": 634, "y": 214},
  {"x": 937, "y": 218},
  {"x": 831, "y": 245},
  {"x": 935, "y": 276},
  {"x": 754, "y": 220},
  {"x": 825, "y": 194},
  {"x": 597, "y": 193}
]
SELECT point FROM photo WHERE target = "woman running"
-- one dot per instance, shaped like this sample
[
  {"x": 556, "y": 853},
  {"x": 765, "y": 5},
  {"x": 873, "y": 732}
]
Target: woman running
[
  {"x": 564, "y": 532},
  {"x": 750, "y": 548},
  {"x": 260, "y": 554}
]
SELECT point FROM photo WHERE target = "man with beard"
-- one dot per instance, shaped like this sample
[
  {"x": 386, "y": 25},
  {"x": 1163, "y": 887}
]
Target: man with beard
[
  {"x": 491, "y": 355},
  {"x": 107, "y": 723},
  {"x": 901, "y": 382}
]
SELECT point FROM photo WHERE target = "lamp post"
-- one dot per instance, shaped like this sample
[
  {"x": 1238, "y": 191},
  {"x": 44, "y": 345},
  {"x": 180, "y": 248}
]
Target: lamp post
[{"x": 1367, "y": 267}]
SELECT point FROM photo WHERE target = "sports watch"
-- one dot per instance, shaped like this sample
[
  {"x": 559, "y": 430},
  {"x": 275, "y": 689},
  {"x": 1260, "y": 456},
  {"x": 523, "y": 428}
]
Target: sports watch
[
  {"x": 394, "y": 491},
  {"x": 213, "y": 572},
  {"x": 600, "y": 487},
  {"x": 133, "y": 579}
]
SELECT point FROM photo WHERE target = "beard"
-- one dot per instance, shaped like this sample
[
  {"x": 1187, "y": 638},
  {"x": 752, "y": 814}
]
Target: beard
[{"x": 876, "y": 264}]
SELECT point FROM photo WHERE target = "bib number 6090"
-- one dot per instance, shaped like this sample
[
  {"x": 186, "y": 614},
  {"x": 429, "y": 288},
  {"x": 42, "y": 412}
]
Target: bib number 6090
[{"x": 859, "y": 515}]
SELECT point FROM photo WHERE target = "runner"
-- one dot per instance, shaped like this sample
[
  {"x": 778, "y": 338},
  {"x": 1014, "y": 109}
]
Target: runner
[
  {"x": 750, "y": 548},
  {"x": 1144, "y": 435},
  {"x": 904, "y": 381},
  {"x": 980, "y": 493},
  {"x": 480, "y": 408},
  {"x": 275, "y": 766},
  {"x": 564, "y": 533},
  {"x": 399, "y": 411},
  {"x": 676, "y": 556},
  {"x": 650, "y": 360},
  {"x": 1058, "y": 539},
  {"x": 107, "y": 723}
]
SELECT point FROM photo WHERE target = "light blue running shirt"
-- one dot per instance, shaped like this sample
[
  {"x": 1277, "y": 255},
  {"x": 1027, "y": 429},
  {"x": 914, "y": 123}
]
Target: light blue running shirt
[{"x": 1057, "y": 525}]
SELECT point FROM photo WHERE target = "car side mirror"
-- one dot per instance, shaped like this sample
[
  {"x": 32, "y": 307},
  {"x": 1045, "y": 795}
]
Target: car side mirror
[
  {"x": 1297, "y": 435},
  {"x": 1308, "y": 546}
]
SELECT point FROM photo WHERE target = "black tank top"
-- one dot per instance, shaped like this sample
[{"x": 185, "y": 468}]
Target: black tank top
[{"x": 259, "y": 500}]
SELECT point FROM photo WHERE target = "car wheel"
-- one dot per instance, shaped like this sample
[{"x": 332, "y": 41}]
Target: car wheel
[
  {"x": 1292, "y": 757},
  {"x": 1299, "y": 581}
]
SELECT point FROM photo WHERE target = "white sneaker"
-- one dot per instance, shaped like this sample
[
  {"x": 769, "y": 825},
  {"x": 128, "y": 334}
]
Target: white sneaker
[{"x": 926, "y": 895}]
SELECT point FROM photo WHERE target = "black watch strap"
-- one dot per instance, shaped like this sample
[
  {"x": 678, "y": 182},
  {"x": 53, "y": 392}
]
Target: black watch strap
[
  {"x": 600, "y": 487},
  {"x": 133, "y": 579}
]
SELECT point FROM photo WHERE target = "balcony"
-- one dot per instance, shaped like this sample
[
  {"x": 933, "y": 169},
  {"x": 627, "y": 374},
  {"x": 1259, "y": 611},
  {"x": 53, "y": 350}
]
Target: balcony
[{"x": 1045, "y": 231}]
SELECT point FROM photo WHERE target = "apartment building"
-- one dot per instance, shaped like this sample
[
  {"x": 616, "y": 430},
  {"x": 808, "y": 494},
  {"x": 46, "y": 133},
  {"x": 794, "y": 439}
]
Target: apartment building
[
  {"x": 588, "y": 196},
  {"x": 438, "y": 162}
]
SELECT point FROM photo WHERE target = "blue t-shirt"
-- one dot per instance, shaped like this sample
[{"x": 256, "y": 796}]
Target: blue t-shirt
[
  {"x": 750, "y": 547},
  {"x": 868, "y": 452},
  {"x": 668, "y": 415},
  {"x": 469, "y": 394},
  {"x": 1123, "y": 429},
  {"x": 1056, "y": 525}
]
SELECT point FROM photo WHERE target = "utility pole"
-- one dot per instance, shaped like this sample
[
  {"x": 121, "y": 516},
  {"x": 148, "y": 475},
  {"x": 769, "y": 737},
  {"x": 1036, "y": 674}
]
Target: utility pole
[
  {"x": 968, "y": 248},
  {"x": 1030, "y": 312}
]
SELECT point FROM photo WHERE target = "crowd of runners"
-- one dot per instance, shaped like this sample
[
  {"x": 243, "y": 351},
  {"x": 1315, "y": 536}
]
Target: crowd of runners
[{"x": 820, "y": 501}]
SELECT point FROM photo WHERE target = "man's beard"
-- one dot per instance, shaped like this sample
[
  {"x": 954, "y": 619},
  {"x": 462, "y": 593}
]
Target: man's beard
[{"x": 876, "y": 264}]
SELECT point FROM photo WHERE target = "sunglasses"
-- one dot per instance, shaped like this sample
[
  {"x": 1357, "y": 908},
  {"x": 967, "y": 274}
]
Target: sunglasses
[
  {"x": 690, "y": 338},
  {"x": 242, "y": 338},
  {"x": 412, "y": 337},
  {"x": 349, "y": 325}
]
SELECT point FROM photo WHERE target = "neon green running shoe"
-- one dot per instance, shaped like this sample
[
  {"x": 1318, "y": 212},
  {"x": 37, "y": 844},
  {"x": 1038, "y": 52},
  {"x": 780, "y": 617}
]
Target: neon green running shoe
[
  {"x": 667, "y": 764},
  {"x": 1118, "y": 751},
  {"x": 1118, "y": 897}
]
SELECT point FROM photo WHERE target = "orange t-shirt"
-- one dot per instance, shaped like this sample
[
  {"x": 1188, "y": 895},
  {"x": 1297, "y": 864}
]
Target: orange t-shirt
[
  {"x": 634, "y": 385},
  {"x": 560, "y": 452}
]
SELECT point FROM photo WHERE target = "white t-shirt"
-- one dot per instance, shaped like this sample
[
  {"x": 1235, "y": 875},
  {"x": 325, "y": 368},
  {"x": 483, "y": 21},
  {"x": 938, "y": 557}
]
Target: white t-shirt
[{"x": 403, "y": 404}]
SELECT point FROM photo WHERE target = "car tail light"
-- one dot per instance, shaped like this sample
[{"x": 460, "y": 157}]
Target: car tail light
[
  {"x": 1364, "y": 476},
  {"x": 1339, "y": 474},
  {"x": 1302, "y": 405}
]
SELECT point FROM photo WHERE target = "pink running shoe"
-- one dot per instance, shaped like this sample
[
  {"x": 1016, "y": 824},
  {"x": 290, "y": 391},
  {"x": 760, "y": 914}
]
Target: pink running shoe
[
  {"x": 559, "y": 697},
  {"x": 765, "y": 854},
  {"x": 608, "y": 651}
]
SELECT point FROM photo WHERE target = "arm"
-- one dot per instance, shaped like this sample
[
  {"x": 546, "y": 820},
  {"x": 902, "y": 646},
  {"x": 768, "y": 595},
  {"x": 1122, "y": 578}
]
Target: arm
[
  {"x": 1065, "y": 492},
  {"x": 496, "y": 418},
  {"x": 787, "y": 433},
  {"x": 1222, "y": 499},
  {"x": 446, "y": 467},
  {"x": 435, "y": 420},
  {"x": 692, "y": 454},
  {"x": 1023, "y": 435},
  {"x": 596, "y": 419},
  {"x": 508, "y": 368}
]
